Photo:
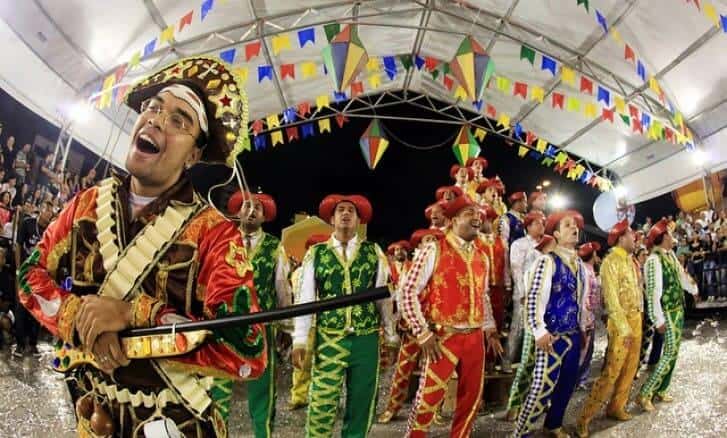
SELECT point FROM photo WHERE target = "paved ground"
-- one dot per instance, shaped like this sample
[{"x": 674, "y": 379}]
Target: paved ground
[{"x": 33, "y": 400}]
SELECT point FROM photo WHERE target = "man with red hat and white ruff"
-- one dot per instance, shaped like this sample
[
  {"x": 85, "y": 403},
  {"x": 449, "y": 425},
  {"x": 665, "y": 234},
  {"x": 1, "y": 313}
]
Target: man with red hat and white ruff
[
  {"x": 478, "y": 166},
  {"x": 534, "y": 223},
  {"x": 666, "y": 281},
  {"x": 491, "y": 191},
  {"x": 435, "y": 215},
  {"x": 270, "y": 271},
  {"x": 445, "y": 302},
  {"x": 448, "y": 193},
  {"x": 588, "y": 252},
  {"x": 409, "y": 350},
  {"x": 553, "y": 309},
  {"x": 462, "y": 176},
  {"x": 538, "y": 201},
  {"x": 301, "y": 375},
  {"x": 143, "y": 250},
  {"x": 347, "y": 340}
]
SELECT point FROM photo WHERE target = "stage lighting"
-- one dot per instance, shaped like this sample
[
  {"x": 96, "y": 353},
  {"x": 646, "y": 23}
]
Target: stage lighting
[{"x": 558, "y": 201}]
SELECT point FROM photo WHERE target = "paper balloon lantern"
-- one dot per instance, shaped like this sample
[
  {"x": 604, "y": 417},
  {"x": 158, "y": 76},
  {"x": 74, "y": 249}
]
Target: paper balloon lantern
[
  {"x": 472, "y": 67},
  {"x": 373, "y": 144},
  {"x": 344, "y": 58},
  {"x": 465, "y": 146}
]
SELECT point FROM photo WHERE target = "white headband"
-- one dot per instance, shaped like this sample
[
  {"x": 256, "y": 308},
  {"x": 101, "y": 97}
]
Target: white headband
[{"x": 186, "y": 94}]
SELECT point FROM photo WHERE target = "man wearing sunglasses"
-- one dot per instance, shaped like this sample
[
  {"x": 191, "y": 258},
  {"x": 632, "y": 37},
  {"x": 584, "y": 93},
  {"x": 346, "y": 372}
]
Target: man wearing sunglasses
[{"x": 141, "y": 250}]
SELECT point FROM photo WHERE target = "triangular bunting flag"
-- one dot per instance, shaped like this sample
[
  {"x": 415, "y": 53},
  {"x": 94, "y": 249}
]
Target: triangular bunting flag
[{"x": 324, "y": 125}]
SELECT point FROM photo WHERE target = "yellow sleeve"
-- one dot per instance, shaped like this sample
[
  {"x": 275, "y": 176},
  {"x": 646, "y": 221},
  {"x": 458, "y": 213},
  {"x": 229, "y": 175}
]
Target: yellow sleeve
[{"x": 611, "y": 272}]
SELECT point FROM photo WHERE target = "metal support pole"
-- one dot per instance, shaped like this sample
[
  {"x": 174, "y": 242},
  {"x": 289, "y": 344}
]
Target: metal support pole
[
  {"x": 66, "y": 125},
  {"x": 65, "y": 152}
]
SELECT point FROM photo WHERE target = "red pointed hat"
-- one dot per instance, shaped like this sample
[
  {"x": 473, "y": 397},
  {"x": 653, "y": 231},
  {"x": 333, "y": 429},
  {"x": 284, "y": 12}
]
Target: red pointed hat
[
  {"x": 544, "y": 241},
  {"x": 363, "y": 207},
  {"x": 491, "y": 182},
  {"x": 617, "y": 231},
  {"x": 587, "y": 249},
  {"x": 428, "y": 210},
  {"x": 234, "y": 204},
  {"x": 418, "y": 235},
  {"x": 554, "y": 218},
  {"x": 439, "y": 195},
  {"x": 533, "y": 216},
  {"x": 536, "y": 195},
  {"x": 517, "y": 196},
  {"x": 657, "y": 230},
  {"x": 399, "y": 244},
  {"x": 457, "y": 204},
  {"x": 455, "y": 168},
  {"x": 481, "y": 160},
  {"x": 315, "y": 239},
  {"x": 488, "y": 213}
]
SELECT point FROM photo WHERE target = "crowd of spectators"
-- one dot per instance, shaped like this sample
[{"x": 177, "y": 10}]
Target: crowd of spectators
[
  {"x": 702, "y": 248},
  {"x": 33, "y": 190}
]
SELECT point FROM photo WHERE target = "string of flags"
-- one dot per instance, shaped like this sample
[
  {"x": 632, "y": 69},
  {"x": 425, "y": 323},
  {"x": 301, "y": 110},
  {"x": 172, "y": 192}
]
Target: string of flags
[{"x": 710, "y": 12}]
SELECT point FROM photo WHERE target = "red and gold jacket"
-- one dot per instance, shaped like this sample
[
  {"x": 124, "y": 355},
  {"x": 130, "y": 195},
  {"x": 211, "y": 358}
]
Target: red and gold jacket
[
  {"x": 201, "y": 275},
  {"x": 496, "y": 249}
]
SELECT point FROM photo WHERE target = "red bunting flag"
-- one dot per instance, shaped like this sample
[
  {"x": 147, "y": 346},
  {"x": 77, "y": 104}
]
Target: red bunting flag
[
  {"x": 586, "y": 85},
  {"x": 292, "y": 133},
  {"x": 530, "y": 137},
  {"x": 593, "y": 182},
  {"x": 287, "y": 70},
  {"x": 520, "y": 89},
  {"x": 356, "y": 89},
  {"x": 448, "y": 82},
  {"x": 629, "y": 53},
  {"x": 257, "y": 126},
  {"x": 120, "y": 72},
  {"x": 252, "y": 50},
  {"x": 560, "y": 168},
  {"x": 340, "y": 120},
  {"x": 186, "y": 20},
  {"x": 636, "y": 125},
  {"x": 633, "y": 111},
  {"x": 607, "y": 114},
  {"x": 430, "y": 63},
  {"x": 570, "y": 164},
  {"x": 491, "y": 111},
  {"x": 303, "y": 109},
  {"x": 669, "y": 134},
  {"x": 558, "y": 100}
]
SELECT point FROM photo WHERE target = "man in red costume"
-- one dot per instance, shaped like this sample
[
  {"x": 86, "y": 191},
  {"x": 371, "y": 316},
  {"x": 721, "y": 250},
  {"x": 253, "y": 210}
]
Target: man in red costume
[
  {"x": 496, "y": 249},
  {"x": 435, "y": 215},
  {"x": 448, "y": 193},
  {"x": 445, "y": 302},
  {"x": 142, "y": 250},
  {"x": 398, "y": 253}
]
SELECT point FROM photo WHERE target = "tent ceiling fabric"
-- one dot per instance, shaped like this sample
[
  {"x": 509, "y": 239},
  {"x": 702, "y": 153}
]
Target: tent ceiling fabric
[{"x": 84, "y": 40}]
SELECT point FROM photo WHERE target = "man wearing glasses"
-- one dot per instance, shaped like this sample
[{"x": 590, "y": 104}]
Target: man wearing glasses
[{"x": 142, "y": 250}]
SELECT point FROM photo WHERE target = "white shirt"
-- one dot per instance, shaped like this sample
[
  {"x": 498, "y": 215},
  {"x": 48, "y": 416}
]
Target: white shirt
[
  {"x": 518, "y": 256},
  {"x": 652, "y": 267},
  {"x": 307, "y": 292},
  {"x": 540, "y": 284},
  {"x": 282, "y": 266}
]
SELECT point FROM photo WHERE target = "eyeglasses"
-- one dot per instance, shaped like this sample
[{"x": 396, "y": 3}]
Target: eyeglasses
[{"x": 172, "y": 123}]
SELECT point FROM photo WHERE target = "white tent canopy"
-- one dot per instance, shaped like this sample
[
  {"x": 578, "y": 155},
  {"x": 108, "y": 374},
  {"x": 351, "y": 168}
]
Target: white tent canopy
[{"x": 59, "y": 51}]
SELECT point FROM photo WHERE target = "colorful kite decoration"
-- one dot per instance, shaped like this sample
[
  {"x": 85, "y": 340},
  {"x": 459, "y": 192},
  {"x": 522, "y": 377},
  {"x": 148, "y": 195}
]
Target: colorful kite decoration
[
  {"x": 373, "y": 144},
  {"x": 344, "y": 58},
  {"x": 472, "y": 67},
  {"x": 465, "y": 147}
]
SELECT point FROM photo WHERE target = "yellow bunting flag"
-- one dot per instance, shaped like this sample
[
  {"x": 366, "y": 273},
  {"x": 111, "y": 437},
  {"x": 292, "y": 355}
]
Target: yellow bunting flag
[
  {"x": 571, "y": 175},
  {"x": 480, "y": 134},
  {"x": 652, "y": 134},
  {"x": 658, "y": 128},
  {"x": 324, "y": 125},
  {"x": 654, "y": 85},
  {"x": 579, "y": 169},
  {"x": 373, "y": 64},
  {"x": 678, "y": 119},
  {"x": 375, "y": 80},
  {"x": 273, "y": 121},
  {"x": 574, "y": 104},
  {"x": 541, "y": 145},
  {"x": 537, "y": 93},
  {"x": 711, "y": 13},
  {"x": 276, "y": 137},
  {"x": 616, "y": 35},
  {"x": 322, "y": 101},
  {"x": 135, "y": 59},
  {"x": 280, "y": 42},
  {"x": 591, "y": 110},
  {"x": 460, "y": 93},
  {"x": 503, "y": 84},
  {"x": 108, "y": 84},
  {"x": 167, "y": 35},
  {"x": 504, "y": 120},
  {"x": 522, "y": 151},
  {"x": 242, "y": 73},
  {"x": 568, "y": 76},
  {"x": 619, "y": 104},
  {"x": 308, "y": 69}
]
